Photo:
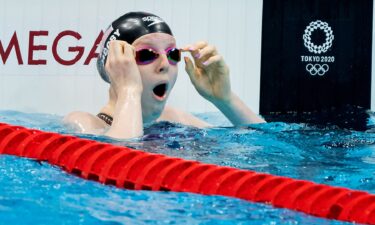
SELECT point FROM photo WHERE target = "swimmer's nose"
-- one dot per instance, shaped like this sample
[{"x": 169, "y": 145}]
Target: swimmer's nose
[{"x": 163, "y": 64}]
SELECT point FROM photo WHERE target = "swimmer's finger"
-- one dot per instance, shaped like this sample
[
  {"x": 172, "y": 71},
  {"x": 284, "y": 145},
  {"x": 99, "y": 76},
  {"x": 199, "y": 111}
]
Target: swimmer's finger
[
  {"x": 195, "y": 48},
  {"x": 112, "y": 55},
  {"x": 199, "y": 45},
  {"x": 117, "y": 49},
  {"x": 186, "y": 48},
  {"x": 189, "y": 67},
  {"x": 207, "y": 52},
  {"x": 129, "y": 50},
  {"x": 215, "y": 60}
]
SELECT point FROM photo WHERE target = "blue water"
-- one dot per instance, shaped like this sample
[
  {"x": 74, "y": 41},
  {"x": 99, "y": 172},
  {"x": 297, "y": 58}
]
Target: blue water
[{"x": 38, "y": 193}]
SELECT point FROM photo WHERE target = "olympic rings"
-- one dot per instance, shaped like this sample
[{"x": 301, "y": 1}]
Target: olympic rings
[
  {"x": 318, "y": 49},
  {"x": 317, "y": 69}
]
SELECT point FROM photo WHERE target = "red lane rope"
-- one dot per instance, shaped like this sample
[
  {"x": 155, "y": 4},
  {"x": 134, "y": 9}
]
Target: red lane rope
[{"x": 135, "y": 169}]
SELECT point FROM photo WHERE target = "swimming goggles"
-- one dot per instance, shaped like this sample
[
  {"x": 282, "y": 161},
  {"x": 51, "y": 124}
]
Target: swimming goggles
[{"x": 148, "y": 55}]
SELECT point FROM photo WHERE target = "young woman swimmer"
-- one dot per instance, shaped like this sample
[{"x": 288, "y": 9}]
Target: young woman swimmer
[{"x": 139, "y": 60}]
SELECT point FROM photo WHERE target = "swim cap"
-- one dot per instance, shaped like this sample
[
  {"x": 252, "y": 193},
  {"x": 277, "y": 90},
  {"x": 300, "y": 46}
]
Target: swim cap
[{"x": 128, "y": 28}]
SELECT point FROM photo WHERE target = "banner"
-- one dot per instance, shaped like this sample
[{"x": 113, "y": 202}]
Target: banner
[{"x": 316, "y": 55}]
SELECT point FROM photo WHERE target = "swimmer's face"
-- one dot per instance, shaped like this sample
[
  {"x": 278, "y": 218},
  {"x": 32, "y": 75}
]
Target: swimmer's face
[{"x": 158, "y": 77}]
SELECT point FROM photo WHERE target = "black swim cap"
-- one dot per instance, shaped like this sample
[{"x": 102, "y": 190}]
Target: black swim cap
[{"x": 128, "y": 28}]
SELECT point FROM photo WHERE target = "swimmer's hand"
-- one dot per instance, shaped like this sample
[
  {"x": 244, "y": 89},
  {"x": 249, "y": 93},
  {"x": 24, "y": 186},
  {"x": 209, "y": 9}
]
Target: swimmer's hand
[
  {"x": 209, "y": 73},
  {"x": 125, "y": 91},
  {"x": 210, "y": 77},
  {"x": 122, "y": 68}
]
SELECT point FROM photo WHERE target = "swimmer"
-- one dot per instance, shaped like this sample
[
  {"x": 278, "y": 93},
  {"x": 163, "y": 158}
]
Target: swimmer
[{"x": 139, "y": 60}]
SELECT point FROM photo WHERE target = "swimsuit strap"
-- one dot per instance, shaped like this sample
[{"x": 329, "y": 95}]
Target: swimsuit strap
[{"x": 106, "y": 118}]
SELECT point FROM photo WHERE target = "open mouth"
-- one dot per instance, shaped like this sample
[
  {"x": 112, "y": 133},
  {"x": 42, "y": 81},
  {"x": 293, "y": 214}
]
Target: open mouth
[{"x": 160, "y": 91}]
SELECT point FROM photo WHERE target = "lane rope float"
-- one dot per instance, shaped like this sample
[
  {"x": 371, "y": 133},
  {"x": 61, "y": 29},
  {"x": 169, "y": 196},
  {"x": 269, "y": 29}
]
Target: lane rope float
[{"x": 134, "y": 169}]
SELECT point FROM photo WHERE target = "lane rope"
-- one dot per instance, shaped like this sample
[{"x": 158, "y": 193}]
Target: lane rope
[{"x": 134, "y": 169}]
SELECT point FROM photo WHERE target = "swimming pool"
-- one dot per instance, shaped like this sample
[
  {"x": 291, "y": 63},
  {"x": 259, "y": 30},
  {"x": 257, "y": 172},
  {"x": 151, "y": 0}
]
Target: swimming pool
[{"x": 33, "y": 192}]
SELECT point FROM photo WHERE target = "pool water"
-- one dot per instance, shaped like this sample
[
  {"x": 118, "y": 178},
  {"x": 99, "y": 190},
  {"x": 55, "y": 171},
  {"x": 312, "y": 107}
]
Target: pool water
[{"x": 34, "y": 192}]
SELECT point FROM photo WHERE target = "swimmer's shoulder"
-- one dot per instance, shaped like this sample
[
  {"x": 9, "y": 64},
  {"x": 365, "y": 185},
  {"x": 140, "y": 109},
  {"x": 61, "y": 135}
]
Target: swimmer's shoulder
[
  {"x": 85, "y": 122},
  {"x": 176, "y": 115}
]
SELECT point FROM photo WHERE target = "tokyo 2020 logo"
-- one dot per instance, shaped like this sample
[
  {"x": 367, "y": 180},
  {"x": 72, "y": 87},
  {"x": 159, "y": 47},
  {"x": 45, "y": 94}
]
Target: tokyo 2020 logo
[
  {"x": 315, "y": 25},
  {"x": 317, "y": 64}
]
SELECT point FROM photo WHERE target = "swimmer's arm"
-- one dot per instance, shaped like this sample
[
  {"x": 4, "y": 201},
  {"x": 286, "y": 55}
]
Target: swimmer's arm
[
  {"x": 209, "y": 74},
  {"x": 84, "y": 122},
  {"x": 237, "y": 111},
  {"x": 127, "y": 118},
  {"x": 178, "y": 116},
  {"x": 126, "y": 83}
]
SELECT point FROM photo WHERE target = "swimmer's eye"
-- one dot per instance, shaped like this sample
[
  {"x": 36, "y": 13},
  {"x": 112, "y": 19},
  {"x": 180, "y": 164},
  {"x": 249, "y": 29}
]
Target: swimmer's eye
[{"x": 147, "y": 56}]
